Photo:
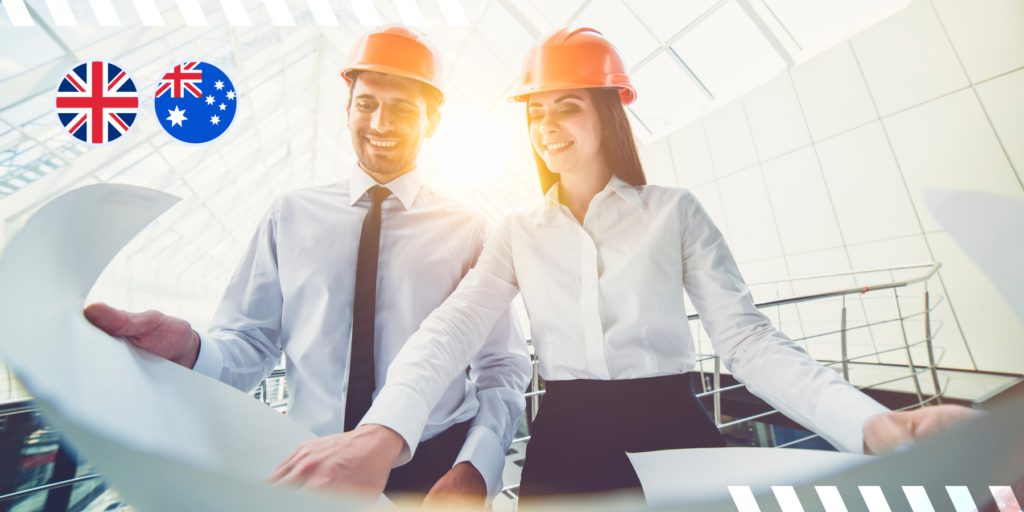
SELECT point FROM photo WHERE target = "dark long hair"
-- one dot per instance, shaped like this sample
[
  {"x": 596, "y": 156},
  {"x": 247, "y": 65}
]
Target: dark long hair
[{"x": 617, "y": 143}]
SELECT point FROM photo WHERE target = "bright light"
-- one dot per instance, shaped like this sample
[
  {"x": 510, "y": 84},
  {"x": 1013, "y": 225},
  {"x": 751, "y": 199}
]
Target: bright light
[{"x": 471, "y": 148}]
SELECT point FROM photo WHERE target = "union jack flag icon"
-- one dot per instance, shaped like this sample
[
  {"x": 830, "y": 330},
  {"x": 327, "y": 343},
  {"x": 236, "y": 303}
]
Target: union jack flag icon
[
  {"x": 97, "y": 102},
  {"x": 184, "y": 78}
]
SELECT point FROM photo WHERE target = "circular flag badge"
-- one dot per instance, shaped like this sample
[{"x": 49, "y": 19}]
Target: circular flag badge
[
  {"x": 195, "y": 102},
  {"x": 97, "y": 102}
]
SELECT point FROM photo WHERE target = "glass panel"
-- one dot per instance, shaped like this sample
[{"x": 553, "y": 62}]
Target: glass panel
[
  {"x": 508, "y": 38},
  {"x": 557, "y": 13},
  {"x": 621, "y": 27},
  {"x": 728, "y": 53},
  {"x": 34, "y": 48},
  {"x": 668, "y": 17},
  {"x": 666, "y": 96},
  {"x": 812, "y": 22}
]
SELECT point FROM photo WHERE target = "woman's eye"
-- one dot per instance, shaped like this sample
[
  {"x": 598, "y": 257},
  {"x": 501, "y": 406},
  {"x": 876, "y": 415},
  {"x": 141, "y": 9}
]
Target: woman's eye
[
  {"x": 533, "y": 116},
  {"x": 569, "y": 111}
]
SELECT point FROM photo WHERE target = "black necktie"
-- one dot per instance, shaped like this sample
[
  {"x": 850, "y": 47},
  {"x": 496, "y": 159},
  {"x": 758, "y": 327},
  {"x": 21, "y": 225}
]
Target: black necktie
[{"x": 361, "y": 366}]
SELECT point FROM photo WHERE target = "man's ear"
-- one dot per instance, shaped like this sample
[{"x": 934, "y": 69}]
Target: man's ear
[{"x": 434, "y": 120}]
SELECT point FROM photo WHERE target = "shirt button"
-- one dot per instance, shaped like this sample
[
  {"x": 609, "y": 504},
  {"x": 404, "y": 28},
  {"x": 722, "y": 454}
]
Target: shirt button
[
  {"x": 590, "y": 286},
  {"x": 593, "y": 337}
]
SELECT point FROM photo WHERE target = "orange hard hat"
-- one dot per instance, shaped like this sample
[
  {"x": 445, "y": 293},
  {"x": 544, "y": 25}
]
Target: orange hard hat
[
  {"x": 397, "y": 50},
  {"x": 573, "y": 58}
]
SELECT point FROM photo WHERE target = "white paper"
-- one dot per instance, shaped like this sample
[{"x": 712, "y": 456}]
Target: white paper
[
  {"x": 167, "y": 438},
  {"x": 701, "y": 475},
  {"x": 990, "y": 229}
]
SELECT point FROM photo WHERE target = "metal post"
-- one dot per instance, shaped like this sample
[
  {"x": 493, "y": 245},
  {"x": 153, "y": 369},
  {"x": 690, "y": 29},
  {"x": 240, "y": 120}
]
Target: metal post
[
  {"x": 263, "y": 391},
  {"x": 842, "y": 341},
  {"x": 535, "y": 386},
  {"x": 717, "y": 386},
  {"x": 906, "y": 343},
  {"x": 928, "y": 343}
]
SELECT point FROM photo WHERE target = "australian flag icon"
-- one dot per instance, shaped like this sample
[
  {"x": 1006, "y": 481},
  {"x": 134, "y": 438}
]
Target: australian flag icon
[{"x": 195, "y": 102}]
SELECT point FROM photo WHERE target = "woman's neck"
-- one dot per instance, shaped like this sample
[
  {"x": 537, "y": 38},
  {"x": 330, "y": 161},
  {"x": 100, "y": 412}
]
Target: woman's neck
[{"x": 576, "y": 190}]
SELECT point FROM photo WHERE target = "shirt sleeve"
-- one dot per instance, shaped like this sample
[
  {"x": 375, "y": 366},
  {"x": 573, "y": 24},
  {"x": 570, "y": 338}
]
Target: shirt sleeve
[
  {"x": 243, "y": 345},
  {"x": 771, "y": 365},
  {"x": 501, "y": 371},
  {"x": 446, "y": 342}
]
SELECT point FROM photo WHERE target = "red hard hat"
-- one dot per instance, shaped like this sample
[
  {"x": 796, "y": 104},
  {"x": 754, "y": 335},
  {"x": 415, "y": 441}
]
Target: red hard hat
[
  {"x": 396, "y": 50},
  {"x": 573, "y": 58}
]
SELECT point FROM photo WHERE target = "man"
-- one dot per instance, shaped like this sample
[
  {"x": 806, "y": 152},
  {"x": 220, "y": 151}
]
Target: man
[{"x": 338, "y": 277}]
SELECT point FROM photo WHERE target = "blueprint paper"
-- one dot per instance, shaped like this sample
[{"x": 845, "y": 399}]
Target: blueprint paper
[
  {"x": 985, "y": 451},
  {"x": 696, "y": 475},
  {"x": 990, "y": 229},
  {"x": 167, "y": 438}
]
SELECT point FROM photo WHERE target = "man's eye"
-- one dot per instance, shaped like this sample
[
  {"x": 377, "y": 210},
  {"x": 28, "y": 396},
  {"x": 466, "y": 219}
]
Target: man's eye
[{"x": 366, "y": 107}]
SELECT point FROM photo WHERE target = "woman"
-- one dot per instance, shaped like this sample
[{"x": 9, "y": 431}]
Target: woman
[{"x": 603, "y": 267}]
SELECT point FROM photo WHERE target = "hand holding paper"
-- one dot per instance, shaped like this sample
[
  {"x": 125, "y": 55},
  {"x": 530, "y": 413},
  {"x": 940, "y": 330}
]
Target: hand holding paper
[
  {"x": 166, "y": 336},
  {"x": 358, "y": 461},
  {"x": 887, "y": 431}
]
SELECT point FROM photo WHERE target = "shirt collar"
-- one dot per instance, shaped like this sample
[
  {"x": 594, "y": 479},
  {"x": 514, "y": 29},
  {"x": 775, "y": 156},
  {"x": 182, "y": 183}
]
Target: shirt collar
[
  {"x": 615, "y": 184},
  {"x": 627, "y": 192},
  {"x": 405, "y": 187}
]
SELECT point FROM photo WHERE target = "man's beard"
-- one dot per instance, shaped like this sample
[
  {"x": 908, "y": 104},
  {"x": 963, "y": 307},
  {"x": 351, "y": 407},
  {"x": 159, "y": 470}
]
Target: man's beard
[{"x": 401, "y": 160}]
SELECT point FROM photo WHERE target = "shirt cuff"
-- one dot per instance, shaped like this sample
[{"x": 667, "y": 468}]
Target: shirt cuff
[
  {"x": 849, "y": 413},
  {"x": 403, "y": 411},
  {"x": 484, "y": 451},
  {"x": 210, "y": 361}
]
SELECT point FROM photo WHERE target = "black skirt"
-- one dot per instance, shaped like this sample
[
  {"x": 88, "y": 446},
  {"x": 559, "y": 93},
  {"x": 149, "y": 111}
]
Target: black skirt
[{"x": 584, "y": 428}]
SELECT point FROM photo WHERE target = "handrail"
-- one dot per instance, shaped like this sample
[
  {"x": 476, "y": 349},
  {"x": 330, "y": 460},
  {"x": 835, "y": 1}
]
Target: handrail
[
  {"x": 47, "y": 487},
  {"x": 847, "y": 273},
  {"x": 860, "y": 289}
]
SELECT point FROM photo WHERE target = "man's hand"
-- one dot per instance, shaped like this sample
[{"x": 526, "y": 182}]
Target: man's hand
[
  {"x": 461, "y": 486},
  {"x": 166, "y": 336},
  {"x": 887, "y": 431},
  {"x": 358, "y": 461}
]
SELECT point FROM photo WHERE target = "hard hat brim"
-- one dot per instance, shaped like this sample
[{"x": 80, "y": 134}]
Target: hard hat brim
[
  {"x": 391, "y": 70},
  {"x": 627, "y": 93}
]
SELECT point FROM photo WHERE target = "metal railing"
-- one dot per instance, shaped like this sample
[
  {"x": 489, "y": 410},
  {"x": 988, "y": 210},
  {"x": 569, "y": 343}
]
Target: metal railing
[
  {"x": 914, "y": 370},
  {"x": 534, "y": 393}
]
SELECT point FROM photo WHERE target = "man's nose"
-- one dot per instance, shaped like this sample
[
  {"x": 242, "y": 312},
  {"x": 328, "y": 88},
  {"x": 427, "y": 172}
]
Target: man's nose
[{"x": 381, "y": 121}]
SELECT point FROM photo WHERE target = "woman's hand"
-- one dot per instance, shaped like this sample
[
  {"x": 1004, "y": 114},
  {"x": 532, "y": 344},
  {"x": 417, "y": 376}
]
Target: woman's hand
[
  {"x": 358, "y": 461},
  {"x": 889, "y": 431},
  {"x": 461, "y": 486}
]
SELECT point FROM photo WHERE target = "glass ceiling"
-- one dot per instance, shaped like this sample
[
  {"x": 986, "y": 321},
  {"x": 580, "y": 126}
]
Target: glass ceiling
[{"x": 686, "y": 58}]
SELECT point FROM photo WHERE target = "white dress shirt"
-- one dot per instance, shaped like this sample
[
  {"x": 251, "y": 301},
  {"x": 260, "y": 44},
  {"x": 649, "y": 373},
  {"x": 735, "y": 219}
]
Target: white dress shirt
[
  {"x": 605, "y": 300},
  {"x": 293, "y": 293}
]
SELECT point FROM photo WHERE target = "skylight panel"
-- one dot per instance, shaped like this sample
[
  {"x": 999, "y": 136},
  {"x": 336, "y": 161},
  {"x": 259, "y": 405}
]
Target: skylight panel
[
  {"x": 367, "y": 14},
  {"x": 666, "y": 96},
  {"x": 668, "y": 17},
  {"x": 508, "y": 38},
  {"x": 34, "y": 49},
  {"x": 558, "y": 12},
  {"x": 813, "y": 22},
  {"x": 410, "y": 13},
  {"x": 728, "y": 53},
  {"x": 480, "y": 69},
  {"x": 621, "y": 27}
]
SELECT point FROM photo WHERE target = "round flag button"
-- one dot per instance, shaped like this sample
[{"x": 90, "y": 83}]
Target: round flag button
[
  {"x": 195, "y": 102},
  {"x": 97, "y": 102}
]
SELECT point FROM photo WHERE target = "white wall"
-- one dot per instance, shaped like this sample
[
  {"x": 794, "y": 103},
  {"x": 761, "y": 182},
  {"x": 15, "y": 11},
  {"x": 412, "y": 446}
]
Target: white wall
[{"x": 822, "y": 169}]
